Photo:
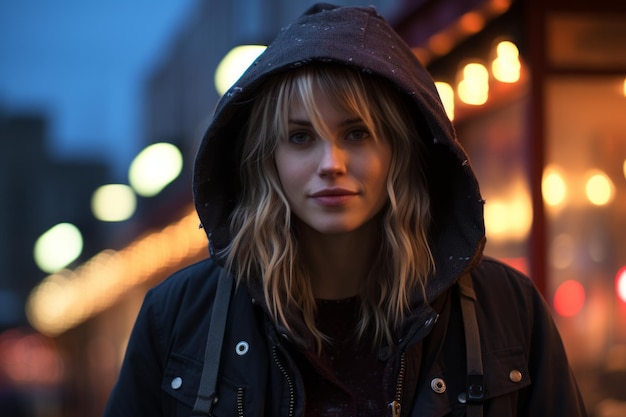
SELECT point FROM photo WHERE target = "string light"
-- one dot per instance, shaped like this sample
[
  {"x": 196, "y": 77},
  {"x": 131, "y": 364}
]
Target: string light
[
  {"x": 68, "y": 298},
  {"x": 506, "y": 66},
  {"x": 474, "y": 85}
]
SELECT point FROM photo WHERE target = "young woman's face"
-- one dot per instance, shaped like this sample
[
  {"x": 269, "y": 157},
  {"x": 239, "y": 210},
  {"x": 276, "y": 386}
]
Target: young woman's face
[{"x": 335, "y": 181}]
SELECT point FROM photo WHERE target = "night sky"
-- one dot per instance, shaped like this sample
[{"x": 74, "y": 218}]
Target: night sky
[{"x": 83, "y": 63}]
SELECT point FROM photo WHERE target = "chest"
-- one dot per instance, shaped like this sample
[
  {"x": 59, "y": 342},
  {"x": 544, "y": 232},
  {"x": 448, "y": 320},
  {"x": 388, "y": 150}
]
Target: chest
[{"x": 348, "y": 376}]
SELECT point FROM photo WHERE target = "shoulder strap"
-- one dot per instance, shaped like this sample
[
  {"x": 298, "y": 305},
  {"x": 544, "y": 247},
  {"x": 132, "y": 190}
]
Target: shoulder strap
[
  {"x": 207, "y": 394},
  {"x": 475, "y": 388}
]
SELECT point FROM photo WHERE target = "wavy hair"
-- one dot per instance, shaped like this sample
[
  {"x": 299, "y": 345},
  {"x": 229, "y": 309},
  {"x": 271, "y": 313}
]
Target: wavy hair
[{"x": 265, "y": 242}]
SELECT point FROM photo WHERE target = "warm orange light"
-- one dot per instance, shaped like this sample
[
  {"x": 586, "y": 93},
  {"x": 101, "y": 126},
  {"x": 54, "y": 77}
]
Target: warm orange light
[
  {"x": 599, "y": 188},
  {"x": 509, "y": 216},
  {"x": 553, "y": 187},
  {"x": 440, "y": 44},
  {"x": 447, "y": 97},
  {"x": 67, "y": 298},
  {"x": 423, "y": 54},
  {"x": 506, "y": 66},
  {"x": 471, "y": 22},
  {"x": 569, "y": 298},
  {"x": 499, "y": 6},
  {"x": 474, "y": 85}
]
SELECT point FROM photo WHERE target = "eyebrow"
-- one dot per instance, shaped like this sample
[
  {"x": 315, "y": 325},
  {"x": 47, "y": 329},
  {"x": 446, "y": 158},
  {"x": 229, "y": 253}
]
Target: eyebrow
[
  {"x": 309, "y": 123},
  {"x": 300, "y": 122}
]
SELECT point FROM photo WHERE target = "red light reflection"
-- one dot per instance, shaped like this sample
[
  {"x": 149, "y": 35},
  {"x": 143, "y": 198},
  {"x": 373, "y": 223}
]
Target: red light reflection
[
  {"x": 28, "y": 358},
  {"x": 569, "y": 298},
  {"x": 620, "y": 284}
]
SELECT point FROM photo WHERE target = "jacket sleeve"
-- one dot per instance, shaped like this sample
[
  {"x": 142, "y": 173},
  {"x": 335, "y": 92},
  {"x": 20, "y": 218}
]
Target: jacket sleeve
[
  {"x": 137, "y": 391},
  {"x": 554, "y": 391}
]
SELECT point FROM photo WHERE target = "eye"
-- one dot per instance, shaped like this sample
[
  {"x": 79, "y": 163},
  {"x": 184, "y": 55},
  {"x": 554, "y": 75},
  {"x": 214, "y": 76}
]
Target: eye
[
  {"x": 358, "y": 134},
  {"x": 300, "y": 138}
]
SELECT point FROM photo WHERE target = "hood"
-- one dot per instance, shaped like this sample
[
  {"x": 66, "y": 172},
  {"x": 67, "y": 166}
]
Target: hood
[{"x": 361, "y": 38}]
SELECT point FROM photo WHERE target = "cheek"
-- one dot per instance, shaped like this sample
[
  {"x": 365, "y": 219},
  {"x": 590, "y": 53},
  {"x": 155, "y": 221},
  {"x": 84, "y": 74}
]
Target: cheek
[
  {"x": 379, "y": 169},
  {"x": 288, "y": 172}
]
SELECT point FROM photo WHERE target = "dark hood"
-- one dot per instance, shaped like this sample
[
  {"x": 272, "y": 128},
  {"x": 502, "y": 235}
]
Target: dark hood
[{"x": 361, "y": 38}]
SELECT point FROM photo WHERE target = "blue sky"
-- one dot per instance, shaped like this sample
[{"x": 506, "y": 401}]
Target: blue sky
[{"x": 83, "y": 63}]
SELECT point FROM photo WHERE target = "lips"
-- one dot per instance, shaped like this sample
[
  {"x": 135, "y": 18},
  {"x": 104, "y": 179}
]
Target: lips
[{"x": 333, "y": 196}]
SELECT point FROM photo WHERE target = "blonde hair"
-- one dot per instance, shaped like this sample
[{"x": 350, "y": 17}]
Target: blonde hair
[{"x": 265, "y": 244}]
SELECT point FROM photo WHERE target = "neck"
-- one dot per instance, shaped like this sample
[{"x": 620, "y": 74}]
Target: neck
[{"x": 339, "y": 263}]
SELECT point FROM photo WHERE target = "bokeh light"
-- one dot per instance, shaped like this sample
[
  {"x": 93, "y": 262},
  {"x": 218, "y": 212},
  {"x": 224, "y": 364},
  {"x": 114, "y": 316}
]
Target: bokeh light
[
  {"x": 447, "y": 97},
  {"x": 509, "y": 216},
  {"x": 58, "y": 247},
  {"x": 154, "y": 168},
  {"x": 569, "y": 298},
  {"x": 29, "y": 359},
  {"x": 620, "y": 284},
  {"x": 234, "y": 64},
  {"x": 506, "y": 66},
  {"x": 553, "y": 188},
  {"x": 113, "y": 203},
  {"x": 471, "y": 22},
  {"x": 474, "y": 85},
  {"x": 599, "y": 189},
  {"x": 67, "y": 298}
]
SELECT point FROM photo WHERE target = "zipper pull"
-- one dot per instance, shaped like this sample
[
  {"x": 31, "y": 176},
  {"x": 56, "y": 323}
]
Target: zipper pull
[{"x": 395, "y": 408}]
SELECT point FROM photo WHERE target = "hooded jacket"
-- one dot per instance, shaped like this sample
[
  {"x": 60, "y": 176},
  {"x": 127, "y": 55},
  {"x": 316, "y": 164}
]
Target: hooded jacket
[{"x": 526, "y": 372}]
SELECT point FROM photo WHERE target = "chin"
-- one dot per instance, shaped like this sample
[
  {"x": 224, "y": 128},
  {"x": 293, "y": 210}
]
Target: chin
[
  {"x": 338, "y": 225},
  {"x": 336, "y": 228}
]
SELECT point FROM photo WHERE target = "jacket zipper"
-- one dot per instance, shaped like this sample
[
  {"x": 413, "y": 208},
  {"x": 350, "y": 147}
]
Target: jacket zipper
[
  {"x": 288, "y": 378},
  {"x": 396, "y": 406},
  {"x": 240, "y": 412}
]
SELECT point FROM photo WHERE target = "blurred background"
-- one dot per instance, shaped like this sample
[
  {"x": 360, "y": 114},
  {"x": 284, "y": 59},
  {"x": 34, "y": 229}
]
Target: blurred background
[{"x": 102, "y": 106}]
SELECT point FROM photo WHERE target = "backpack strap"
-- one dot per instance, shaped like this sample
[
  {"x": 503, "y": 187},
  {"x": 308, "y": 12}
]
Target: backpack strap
[
  {"x": 207, "y": 391},
  {"x": 475, "y": 393}
]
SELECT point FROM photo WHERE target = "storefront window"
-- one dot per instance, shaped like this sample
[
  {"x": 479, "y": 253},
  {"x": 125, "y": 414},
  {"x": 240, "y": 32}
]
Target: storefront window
[
  {"x": 585, "y": 197},
  {"x": 575, "y": 137},
  {"x": 584, "y": 192}
]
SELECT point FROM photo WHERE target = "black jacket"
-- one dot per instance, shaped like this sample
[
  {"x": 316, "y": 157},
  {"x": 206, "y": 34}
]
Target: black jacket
[{"x": 526, "y": 370}]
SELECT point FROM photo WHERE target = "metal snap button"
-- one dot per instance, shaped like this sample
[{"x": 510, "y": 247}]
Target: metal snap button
[
  {"x": 176, "y": 383},
  {"x": 438, "y": 385},
  {"x": 515, "y": 375},
  {"x": 242, "y": 348}
]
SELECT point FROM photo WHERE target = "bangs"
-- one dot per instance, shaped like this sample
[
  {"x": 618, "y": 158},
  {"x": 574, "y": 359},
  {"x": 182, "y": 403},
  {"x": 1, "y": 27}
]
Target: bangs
[{"x": 342, "y": 86}]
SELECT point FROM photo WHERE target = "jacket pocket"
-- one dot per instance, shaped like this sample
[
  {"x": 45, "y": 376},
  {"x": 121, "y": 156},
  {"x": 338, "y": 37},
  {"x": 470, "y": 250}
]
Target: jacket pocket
[
  {"x": 506, "y": 371},
  {"x": 443, "y": 391},
  {"x": 181, "y": 380},
  {"x": 506, "y": 375}
]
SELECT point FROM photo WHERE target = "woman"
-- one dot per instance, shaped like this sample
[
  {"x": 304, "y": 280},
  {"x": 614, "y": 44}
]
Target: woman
[{"x": 334, "y": 193}]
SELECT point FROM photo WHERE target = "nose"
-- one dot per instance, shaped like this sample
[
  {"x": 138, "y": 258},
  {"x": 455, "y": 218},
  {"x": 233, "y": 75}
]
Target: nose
[{"x": 333, "y": 160}]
